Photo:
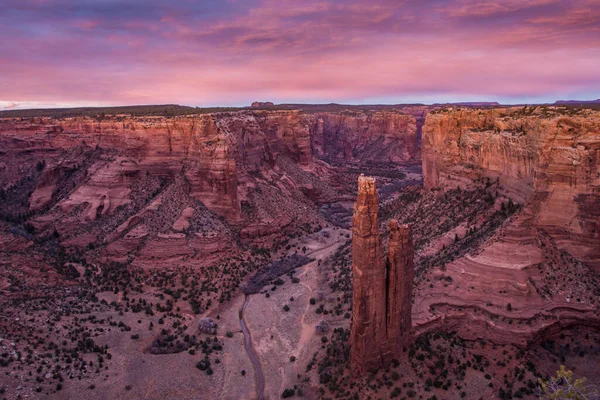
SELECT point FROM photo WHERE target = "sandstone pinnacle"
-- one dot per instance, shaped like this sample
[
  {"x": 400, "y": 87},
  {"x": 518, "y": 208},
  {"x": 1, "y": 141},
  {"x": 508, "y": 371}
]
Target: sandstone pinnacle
[{"x": 382, "y": 287}]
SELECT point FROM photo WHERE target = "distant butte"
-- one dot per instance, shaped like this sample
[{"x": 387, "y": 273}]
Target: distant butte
[{"x": 262, "y": 104}]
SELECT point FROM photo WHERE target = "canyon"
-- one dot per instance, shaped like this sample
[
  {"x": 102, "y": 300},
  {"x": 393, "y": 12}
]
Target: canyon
[
  {"x": 226, "y": 161},
  {"x": 121, "y": 234}
]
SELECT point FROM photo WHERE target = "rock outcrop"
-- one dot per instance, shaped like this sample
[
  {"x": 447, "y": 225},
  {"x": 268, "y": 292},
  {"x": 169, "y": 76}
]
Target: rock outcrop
[
  {"x": 400, "y": 274},
  {"x": 215, "y": 152},
  {"x": 382, "y": 288},
  {"x": 261, "y": 104},
  {"x": 368, "y": 329},
  {"x": 538, "y": 271},
  {"x": 546, "y": 158}
]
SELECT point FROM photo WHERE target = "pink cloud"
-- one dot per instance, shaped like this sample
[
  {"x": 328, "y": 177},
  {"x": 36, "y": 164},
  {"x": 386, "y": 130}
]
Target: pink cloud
[
  {"x": 576, "y": 17},
  {"x": 479, "y": 8},
  {"x": 308, "y": 51},
  {"x": 86, "y": 24}
]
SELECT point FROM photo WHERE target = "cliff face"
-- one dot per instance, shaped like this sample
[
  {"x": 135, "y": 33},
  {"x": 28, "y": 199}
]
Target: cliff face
[
  {"x": 140, "y": 180},
  {"x": 546, "y": 158},
  {"x": 400, "y": 276},
  {"x": 156, "y": 146},
  {"x": 382, "y": 291},
  {"x": 379, "y": 137},
  {"x": 212, "y": 151},
  {"x": 215, "y": 152},
  {"x": 155, "y": 185}
]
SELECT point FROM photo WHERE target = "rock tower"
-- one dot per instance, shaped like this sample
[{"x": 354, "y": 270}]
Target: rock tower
[{"x": 382, "y": 286}]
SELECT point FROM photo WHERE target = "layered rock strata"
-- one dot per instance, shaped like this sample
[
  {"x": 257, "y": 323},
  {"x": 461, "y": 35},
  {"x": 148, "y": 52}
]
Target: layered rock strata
[
  {"x": 215, "y": 152},
  {"x": 400, "y": 275},
  {"x": 132, "y": 182},
  {"x": 538, "y": 272},
  {"x": 382, "y": 136},
  {"x": 546, "y": 158},
  {"x": 382, "y": 287}
]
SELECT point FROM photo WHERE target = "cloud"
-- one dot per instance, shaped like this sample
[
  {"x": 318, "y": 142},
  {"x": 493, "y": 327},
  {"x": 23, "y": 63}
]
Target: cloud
[
  {"x": 215, "y": 52},
  {"x": 579, "y": 17},
  {"x": 486, "y": 8},
  {"x": 11, "y": 105}
]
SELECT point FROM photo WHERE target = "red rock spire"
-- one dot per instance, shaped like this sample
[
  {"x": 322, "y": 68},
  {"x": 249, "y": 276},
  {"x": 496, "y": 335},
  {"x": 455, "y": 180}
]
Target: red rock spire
[
  {"x": 382, "y": 289},
  {"x": 400, "y": 271}
]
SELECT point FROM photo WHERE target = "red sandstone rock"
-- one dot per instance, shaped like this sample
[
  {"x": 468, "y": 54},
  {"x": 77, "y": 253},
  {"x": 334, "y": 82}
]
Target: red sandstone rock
[
  {"x": 368, "y": 331},
  {"x": 382, "y": 292},
  {"x": 400, "y": 271},
  {"x": 547, "y": 158},
  {"x": 105, "y": 179}
]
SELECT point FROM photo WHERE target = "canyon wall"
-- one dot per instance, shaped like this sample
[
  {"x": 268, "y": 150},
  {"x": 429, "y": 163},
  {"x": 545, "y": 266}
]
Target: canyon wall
[
  {"x": 545, "y": 158},
  {"x": 381, "y": 136},
  {"x": 136, "y": 180},
  {"x": 212, "y": 151},
  {"x": 215, "y": 152}
]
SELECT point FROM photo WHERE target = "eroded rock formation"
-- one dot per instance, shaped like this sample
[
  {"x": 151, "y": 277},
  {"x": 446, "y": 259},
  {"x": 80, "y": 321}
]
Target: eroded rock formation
[
  {"x": 540, "y": 267},
  {"x": 165, "y": 183},
  {"x": 400, "y": 275},
  {"x": 547, "y": 158},
  {"x": 368, "y": 331},
  {"x": 382, "y": 288}
]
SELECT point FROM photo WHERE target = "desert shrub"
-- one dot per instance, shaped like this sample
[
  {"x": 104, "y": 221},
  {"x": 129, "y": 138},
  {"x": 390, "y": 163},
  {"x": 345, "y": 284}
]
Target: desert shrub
[
  {"x": 207, "y": 325},
  {"x": 203, "y": 364},
  {"x": 322, "y": 326}
]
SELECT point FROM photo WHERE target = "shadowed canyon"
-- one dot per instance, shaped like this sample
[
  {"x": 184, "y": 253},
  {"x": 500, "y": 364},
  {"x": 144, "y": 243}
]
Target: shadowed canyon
[{"x": 213, "y": 255}]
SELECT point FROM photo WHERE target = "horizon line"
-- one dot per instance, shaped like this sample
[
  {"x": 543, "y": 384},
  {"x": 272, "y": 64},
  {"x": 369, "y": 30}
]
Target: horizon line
[{"x": 16, "y": 107}]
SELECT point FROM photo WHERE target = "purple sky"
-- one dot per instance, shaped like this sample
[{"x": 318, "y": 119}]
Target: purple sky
[{"x": 99, "y": 52}]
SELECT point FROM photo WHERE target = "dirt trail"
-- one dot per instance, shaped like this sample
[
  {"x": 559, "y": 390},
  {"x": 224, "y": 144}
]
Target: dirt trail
[{"x": 258, "y": 372}]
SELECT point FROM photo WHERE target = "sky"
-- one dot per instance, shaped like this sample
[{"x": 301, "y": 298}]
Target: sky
[{"x": 57, "y": 53}]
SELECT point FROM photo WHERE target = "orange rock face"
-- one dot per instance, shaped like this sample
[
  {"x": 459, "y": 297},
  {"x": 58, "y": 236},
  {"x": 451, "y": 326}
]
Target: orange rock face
[
  {"x": 368, "y": 332},
  {"x": 133, "y": 182},
  {"x": 215, "y": 152},
  {"x": 382, "y": 289},
  {"x": 546, "y": 158}
]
